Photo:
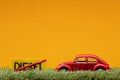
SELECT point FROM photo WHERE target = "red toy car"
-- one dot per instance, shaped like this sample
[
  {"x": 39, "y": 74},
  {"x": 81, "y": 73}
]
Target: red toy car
[{"x": 84, "y": 62}]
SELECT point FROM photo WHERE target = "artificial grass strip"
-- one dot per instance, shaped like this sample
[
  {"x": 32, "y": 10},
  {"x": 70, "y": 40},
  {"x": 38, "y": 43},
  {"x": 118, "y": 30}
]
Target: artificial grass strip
[{"x": 50, "y": 74}]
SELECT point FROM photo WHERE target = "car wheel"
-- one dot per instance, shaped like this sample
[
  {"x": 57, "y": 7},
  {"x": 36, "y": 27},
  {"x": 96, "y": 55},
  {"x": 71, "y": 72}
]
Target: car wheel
[
  {"x": 63, "y": 69},
  {"x": 100, "y": 68}
]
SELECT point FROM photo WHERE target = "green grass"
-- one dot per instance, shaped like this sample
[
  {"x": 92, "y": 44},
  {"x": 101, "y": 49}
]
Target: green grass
[{"x": 50, "y": 74}]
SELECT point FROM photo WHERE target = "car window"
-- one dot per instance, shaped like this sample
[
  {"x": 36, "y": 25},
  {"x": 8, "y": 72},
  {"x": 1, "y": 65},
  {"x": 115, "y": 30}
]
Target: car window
[
  {"x": 81, "y": 59},
  {"x": 92, "y": 60}
]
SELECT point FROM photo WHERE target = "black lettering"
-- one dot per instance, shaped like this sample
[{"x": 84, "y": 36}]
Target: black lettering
[
  {"x": 21, "y": 64},
  {"x": 35, "y": 66},
  {"x": 17, "y": 64},
  {"x": 39, "y": 66},
  {"x": 30, "y": 66},
  {"x": 24, "y": 63}
]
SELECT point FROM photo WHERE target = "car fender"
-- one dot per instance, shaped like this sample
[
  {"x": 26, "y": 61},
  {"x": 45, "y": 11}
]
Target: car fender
[
  {"x": 99, "y": 65},
  {"x": 64, "y": 65}
]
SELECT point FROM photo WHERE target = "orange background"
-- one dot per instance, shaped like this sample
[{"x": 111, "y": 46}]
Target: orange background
[{"x": 57, "y": 30}]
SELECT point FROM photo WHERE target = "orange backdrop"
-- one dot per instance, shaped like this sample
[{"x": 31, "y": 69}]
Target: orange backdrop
[{"x": 57, "y": 30}]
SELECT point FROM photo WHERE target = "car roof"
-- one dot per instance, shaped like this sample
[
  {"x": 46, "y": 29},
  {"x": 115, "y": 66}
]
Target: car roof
[
  {"x": 87, "y": 55},
  {"x": 90, "y": 55}
]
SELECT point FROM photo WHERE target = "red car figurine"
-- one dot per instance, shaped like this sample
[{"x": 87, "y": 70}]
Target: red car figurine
[{"x": 84, "y": 62}]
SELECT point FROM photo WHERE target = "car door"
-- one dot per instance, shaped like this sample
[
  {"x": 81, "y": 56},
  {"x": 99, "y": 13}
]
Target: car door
[
  {"x": 91, "y": 62},
  {"x": 80, "y": 63}
]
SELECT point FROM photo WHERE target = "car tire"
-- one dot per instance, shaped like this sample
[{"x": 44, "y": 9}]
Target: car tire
[
  {"x": 64, "y": 69},
  {"x": 100, "y": 68}
]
